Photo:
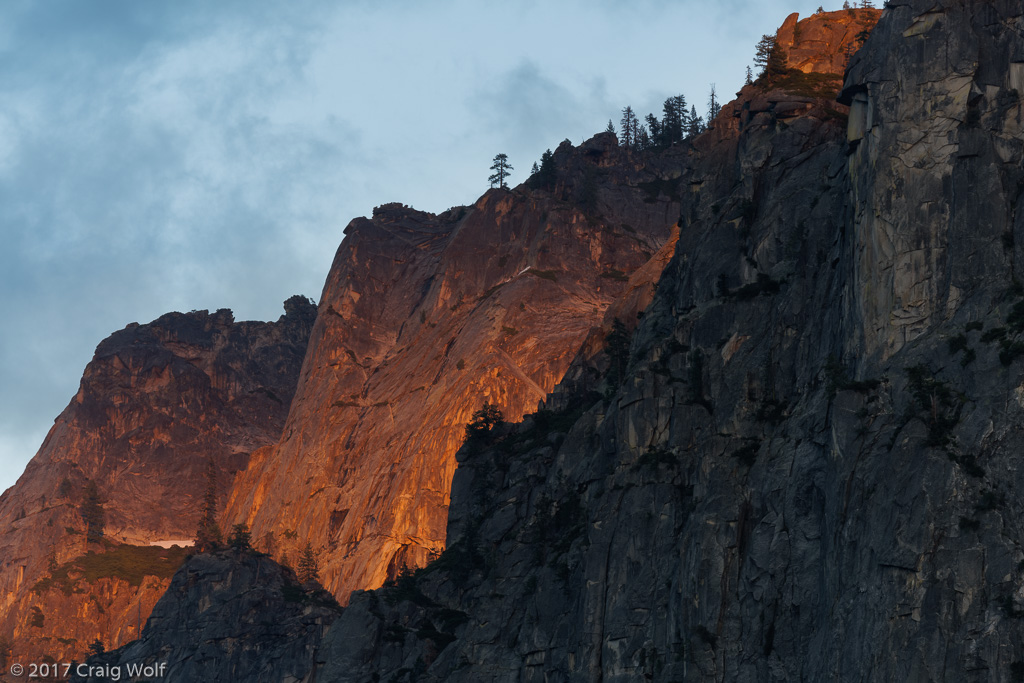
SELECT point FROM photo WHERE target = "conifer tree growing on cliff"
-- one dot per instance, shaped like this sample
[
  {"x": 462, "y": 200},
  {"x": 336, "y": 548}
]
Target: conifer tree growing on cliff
[
  {"x": 628, "y": 126},
  {"x": 544, "y": 177},
  {"x": 208, "y": 535},
  {"x": 763, "y": 51},
  {"x": 92, "y": 513},
  {"x": 483, "y": 421},
  {"x": 309, "y": 567},
  {"x": 713, "y": 104},
  {"x": 501, "y": 169},
  {"x": 695, "y": 126},
  {"x": 240, "y": 539}
]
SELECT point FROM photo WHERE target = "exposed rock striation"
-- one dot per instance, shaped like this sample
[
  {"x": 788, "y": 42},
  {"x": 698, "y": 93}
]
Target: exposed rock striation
[
  {"x": 155, "y": 404},
  {"x": 423, "y": 319},
  {"x": 824, "y": 42}
]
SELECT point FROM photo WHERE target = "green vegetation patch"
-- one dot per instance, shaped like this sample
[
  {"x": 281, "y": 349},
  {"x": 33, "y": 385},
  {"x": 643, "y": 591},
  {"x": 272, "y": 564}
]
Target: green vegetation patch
[
  {"x": 129, "y": 563},
  {"x": 820, "y": 86},
  {"x": 544, "y": 274}
]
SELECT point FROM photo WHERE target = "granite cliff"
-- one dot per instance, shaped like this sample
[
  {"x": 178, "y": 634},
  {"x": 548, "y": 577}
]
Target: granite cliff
[
  {"x": 424, "y": 319},
  {"x": 812, "y": 469},
  {"x": 155, "y": 405},
  {"x": 809, "y": 469},
  {"x": 806, "y": 466}
]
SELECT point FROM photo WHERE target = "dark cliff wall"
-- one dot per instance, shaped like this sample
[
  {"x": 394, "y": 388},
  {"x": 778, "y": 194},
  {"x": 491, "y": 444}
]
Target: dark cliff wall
[{"x": 811, "y": 470}]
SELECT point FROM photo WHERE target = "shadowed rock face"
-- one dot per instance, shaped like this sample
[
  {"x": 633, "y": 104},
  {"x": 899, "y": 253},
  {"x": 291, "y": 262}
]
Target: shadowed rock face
[
  {"x": 155, "y": 404},
  {"x": 238, "y": 616},
  {"x": 423, "y": 319}
]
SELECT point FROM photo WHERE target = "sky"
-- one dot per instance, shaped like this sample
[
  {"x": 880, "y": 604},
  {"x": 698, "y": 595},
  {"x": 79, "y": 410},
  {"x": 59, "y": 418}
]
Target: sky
[{"x": 171, "y": 156}]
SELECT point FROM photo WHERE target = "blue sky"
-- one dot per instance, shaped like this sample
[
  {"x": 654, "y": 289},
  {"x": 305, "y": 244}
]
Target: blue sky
[{"x": 159, "y": 156}]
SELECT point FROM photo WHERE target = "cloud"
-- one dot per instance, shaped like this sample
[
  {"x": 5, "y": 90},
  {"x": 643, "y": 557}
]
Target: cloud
[
  {"x": 172, "y": 156},
  {"x": 531, "y": 108}
]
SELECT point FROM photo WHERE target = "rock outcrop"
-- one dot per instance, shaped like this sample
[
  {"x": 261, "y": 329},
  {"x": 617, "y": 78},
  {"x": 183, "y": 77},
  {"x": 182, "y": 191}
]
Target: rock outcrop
[
  {"x": 233, "y": 616},
  {"x": 812, "y": 471},
  {"x": 824, "y": 42},
  {"x": 155, "y": 405},
  {"x": 425, "y": 318}
]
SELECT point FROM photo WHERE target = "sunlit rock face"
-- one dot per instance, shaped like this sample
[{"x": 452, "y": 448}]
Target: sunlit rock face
[
  {"x": 825, "y": 41},
  {"x": 156, "y": 403},
  {"x": 425, "y": 318}
]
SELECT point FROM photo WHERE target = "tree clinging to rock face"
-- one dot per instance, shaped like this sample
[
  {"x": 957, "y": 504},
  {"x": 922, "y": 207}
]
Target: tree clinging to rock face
[
  {"x": 240, "y": 539},
  {"x": 309, "y": 567},
  {"x": 544, "y": 176},
  {"x": 628, "y": 126},
  {"x": 713, "y": 105},
  {"x": 483, "y": 421},
  {"x": 92, "y": 513},
  {"x": 208, "y": 535},
  {"x": 501, "y": 169}
]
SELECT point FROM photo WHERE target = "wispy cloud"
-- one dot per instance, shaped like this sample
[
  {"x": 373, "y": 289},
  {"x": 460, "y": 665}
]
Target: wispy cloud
[{"x": 171, "y": 156}]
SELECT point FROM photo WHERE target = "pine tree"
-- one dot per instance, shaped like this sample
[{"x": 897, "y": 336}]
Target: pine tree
[
  {"x": 240, "y": 538},
  {"x": 750, "y": 77},
  {"x": 820, "y": 10},
  {"x": 483, "y": 421},
  {"x": 776, "y": 61},
  {"x": 654, "y": 128},
  {"x": 92, "y": 513},
  {"x": 208, "y": 536},
  {"x": 96, "y": 647},
  {"x": 309, "y": 567},
  {"x": 628, "y": 126},
  {"x": 695, "y": 124},
  {"x": 643, "y": 138},
  {"x": 610, "y": 128},
  {"x": 679, "y": 102},
  {"x": 534, "y": 168},
  {"x": 673, "y": 121},
  {"x": 501, "y": 169},
  {"x": 713, "y": 106},
  {"x": 763, "y": 52},
  {"x": 635, "y": 133},
  {"x": 545, "y": 176},
  {"x": 846, "y": 4}
]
